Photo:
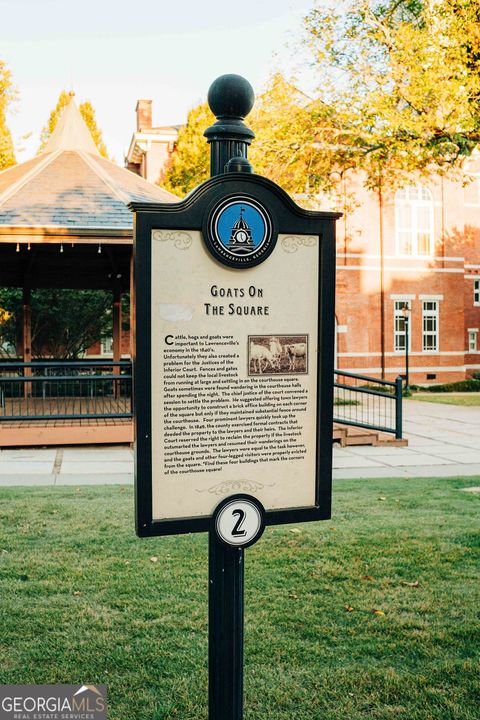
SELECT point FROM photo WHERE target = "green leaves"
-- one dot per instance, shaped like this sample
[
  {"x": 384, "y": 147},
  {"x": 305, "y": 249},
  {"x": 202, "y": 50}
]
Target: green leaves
[
  {"x": 404, "y": 78},
  {"x": 88, "y": 114},
  {"x": 64, "y": 322},
  {"x": 189, "y": 165},
  {"x": 7, "y": 96},
  {"x": 397, "y": 92}
]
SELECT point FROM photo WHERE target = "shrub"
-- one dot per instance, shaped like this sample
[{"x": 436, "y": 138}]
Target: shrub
[{"x": 472, "y": 385}]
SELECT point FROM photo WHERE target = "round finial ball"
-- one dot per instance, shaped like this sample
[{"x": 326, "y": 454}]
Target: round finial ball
[{"x": 231, "y": 96}]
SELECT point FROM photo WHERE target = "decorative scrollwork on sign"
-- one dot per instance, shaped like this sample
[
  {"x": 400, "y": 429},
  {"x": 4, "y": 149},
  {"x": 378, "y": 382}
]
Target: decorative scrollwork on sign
[
  {"x": 291, "y": 243},
  {"x": 181, "y": 240},
  {"x": 231, "y": 486}
]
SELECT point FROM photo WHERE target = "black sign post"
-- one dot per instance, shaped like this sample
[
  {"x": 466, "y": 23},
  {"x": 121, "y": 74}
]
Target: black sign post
[
  {"x": 230, "y": 98},
  {"x": 233, "y": 238}
]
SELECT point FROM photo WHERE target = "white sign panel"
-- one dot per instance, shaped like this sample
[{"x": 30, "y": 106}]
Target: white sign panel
[{"x": 234, "y": 356}]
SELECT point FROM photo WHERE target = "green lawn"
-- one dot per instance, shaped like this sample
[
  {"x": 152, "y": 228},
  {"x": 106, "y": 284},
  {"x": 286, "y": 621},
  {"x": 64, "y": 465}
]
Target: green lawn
[
  {"x": 81, "y": 601},
  {"x": 466, "y": 399}
]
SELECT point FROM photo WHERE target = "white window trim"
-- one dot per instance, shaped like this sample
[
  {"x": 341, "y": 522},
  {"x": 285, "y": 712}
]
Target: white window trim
[
  {"x": 472, "y": 335},
  {"x": 476, "y": 292},
  {"x": 105, "y": 353},
  {"x": 415, "y": 204},
  {"x": 414, "y": 353},
  {"x": 376, "y": 370},
  {"x": 370, "y": 256},
  {"x": 435, "y": 314},
  {"x": 405, "y": 300}
]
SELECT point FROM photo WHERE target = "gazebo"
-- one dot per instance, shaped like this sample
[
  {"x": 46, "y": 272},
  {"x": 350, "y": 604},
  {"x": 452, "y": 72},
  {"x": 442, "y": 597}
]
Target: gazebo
[{"x": 65, "y": 223}]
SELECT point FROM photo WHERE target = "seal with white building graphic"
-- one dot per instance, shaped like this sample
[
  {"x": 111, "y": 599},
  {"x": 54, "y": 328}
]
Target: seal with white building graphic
[{"x": 239, "y": 231}]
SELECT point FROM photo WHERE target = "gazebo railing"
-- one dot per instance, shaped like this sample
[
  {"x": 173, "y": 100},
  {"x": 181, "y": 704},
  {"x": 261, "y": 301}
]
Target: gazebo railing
[
  {"x": 96, "y": 389},
  {"x": 65, "y": 390}
]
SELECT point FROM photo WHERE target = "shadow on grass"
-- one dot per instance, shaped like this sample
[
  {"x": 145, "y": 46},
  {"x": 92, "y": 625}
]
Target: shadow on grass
[{"x": 370, "y": 615}]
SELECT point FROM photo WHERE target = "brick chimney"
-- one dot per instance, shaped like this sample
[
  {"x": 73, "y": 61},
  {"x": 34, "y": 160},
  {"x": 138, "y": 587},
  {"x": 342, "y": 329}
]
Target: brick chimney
[{"x": 144, "y": 115}]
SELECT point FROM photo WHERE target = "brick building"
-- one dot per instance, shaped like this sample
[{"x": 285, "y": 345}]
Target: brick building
[
  {"x": 418, "y": 247},
  {"x": 150, "y": 147}
]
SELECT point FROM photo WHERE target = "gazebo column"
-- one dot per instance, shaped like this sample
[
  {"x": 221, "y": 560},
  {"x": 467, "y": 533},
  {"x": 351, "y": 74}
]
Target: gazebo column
[
  {"x": 132, "y": 309},
  {"x": 27, "y": 337},
  {"x": 131, "y": 332},
  {"x": 117, "y": 337}
]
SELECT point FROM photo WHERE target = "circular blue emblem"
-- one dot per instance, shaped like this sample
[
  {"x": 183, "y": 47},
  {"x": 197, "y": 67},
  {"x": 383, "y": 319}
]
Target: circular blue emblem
[{"x": 239, "y": 231}]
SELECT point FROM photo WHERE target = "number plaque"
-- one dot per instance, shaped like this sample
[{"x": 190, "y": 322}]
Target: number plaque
[{"x": 239, "y": 520}]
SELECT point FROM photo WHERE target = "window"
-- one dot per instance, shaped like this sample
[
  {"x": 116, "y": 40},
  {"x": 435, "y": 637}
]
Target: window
[
  {"x": 472, "y": 340},
  {"x": 8, "y": 350},
  {"x": 399, "y": 327},
  {"x": 430, "y": 325},
  {"x": 476, "y": 292},
  {"x": 414, "y": 220},
  {"x": 107, "y": 346}
]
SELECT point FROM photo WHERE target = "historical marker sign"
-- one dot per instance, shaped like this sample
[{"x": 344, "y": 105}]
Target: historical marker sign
[
  {"x": 233, "y": 375},
  {"x": 234, "y": 310}
]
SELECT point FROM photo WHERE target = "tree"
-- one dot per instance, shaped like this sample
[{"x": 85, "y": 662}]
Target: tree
[
  {"x": 65, "y": 323},
  {"x": 404, "y": 77},
  {"x": 10, "y": 320},
  {"x": 279, "y": 119},
  {"x": 190, "y": 162},
  {"x": 7, "y": 96},
  {"x": 287, "y": 123},
  {"x": 398, "y": 92},
  {"x": 88, "y": 114}
]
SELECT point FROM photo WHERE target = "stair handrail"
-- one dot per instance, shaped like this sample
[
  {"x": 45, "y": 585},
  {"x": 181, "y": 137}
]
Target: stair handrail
[{"x": 396, "y": 396}]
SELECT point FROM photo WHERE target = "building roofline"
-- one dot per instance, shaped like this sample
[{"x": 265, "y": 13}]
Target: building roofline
[
  {"x": 64, "y": 230},
  {"x": 103, "y": 175},
  {"x": 71, "y": 132},
  {"x": 43, "y": 161},
  {"x": 169, "y": 133}
]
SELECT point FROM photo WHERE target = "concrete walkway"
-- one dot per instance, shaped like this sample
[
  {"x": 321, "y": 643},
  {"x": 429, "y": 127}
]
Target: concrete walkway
[
  {"x": 77, "y": 465},
  {"x": 444, "y": 440}
]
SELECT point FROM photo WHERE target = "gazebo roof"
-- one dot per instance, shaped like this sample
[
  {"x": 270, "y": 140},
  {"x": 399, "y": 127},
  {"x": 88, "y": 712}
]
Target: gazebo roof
[{"x": 69, "y": 187}]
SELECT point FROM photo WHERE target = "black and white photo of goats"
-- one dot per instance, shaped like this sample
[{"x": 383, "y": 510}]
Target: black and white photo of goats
[{"x": 277, "y": 354}]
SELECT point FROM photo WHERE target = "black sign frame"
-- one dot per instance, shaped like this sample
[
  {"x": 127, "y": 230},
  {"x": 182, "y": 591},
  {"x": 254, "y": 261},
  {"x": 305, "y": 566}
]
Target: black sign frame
[{"x": 190, "y": 214}]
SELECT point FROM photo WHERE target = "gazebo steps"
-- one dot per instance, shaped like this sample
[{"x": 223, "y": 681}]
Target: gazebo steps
[
  {"x": 65, "y": 432},
  {"x": 89, "y": 432},
  {"x": 349, "y": 435}
]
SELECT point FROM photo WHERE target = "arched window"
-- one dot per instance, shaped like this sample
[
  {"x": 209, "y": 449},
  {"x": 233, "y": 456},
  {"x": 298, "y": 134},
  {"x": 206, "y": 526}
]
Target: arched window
[{"x": 414, "y": 220}]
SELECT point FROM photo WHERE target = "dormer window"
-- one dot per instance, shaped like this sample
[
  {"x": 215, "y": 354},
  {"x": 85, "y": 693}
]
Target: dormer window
[{"x": 414, "y": 221}]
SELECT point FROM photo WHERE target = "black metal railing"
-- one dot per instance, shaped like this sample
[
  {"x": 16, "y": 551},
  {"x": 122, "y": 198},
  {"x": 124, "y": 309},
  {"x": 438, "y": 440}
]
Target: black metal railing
[
  {"x": 82, "y": 389},
  {"x": 65, "y": 390},
  {"x": 367, "y": 402}
]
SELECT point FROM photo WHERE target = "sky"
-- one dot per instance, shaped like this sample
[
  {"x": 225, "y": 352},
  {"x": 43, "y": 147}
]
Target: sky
[{"x": 115, "y": 52}]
